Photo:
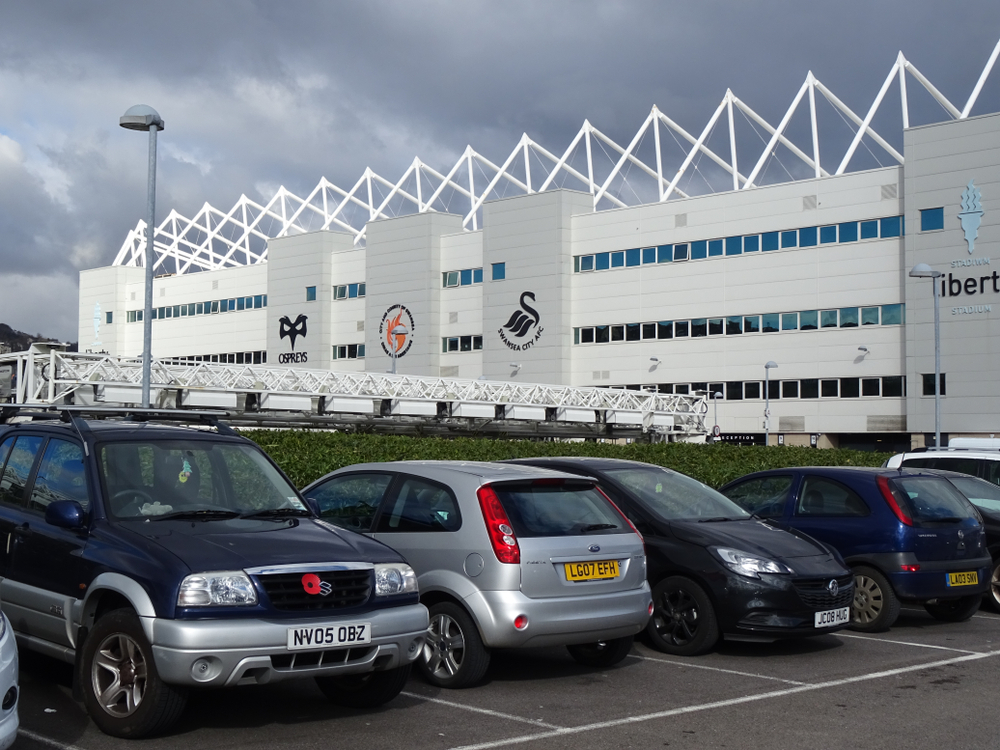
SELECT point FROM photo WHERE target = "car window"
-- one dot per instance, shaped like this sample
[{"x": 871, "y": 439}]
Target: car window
[
  {"x": 980, "y": 492},
  {"x": 930, "y": 499},
  {"x": 351, "y": 500},
  {"x": 968, "y": 466},
  {"x": 421, "y": 506},
  {"x": 825, "y": 497},
  {"x": 17, "y": 468},
  {"x": 5, "y": 447},
  {"x": 763, "y": 496},
  {"x": 992, "y": 472},
  {"x": 918, "y": 463},
  {"x": 675, "y": 496},
  {"x": 61, "y": 476},
  {"x": 159, "y": 477},
  {"x": 558, "y": 507}
]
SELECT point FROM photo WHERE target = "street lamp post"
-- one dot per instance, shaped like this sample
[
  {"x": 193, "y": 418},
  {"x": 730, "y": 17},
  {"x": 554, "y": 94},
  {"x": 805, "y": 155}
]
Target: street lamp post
[
  {"x": 142, "y": 117},
  {"x": 924, "y": 271},
  {"x": 767, "y": 400},
  {"x": 715, "y": 429},
  {"x": 399, "y": 330}
]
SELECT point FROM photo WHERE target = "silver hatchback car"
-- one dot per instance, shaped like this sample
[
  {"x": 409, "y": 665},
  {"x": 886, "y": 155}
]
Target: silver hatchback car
[{"x": 506, "y": 556}]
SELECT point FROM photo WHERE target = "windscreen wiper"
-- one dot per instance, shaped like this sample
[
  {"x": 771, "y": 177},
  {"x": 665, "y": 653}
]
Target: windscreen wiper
[
  {"x": 195, "y": 515},
  {"x": 717, "y": 519},
  {"x": 598, "y": 527},
  {"x": 277, "y": 513}
]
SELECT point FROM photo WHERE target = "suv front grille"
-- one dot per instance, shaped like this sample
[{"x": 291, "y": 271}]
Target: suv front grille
[
  {"x": 314, "y": 659},
  {"x": 347, "y": 588},
  {"x": 814, "y": 592}
]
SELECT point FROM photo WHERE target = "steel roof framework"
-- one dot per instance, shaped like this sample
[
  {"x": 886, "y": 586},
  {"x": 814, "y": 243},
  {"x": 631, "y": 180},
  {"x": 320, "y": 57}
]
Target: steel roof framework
[{"x": 214, "y": 239}]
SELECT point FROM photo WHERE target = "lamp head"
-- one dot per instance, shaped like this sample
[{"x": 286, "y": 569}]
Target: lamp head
[
  {"x": 771, "y": 365},
  {"x": 863, "y": 349},
  {"x": 141, "y": 117},
  {"x": 924, "y": 271}
]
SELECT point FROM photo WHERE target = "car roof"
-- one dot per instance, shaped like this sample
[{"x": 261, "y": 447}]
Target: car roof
[
  {"x": 597, "y": 463},
  {"x": 844, "y": 471},
  {"x": 107, "y": 429},
  {"x": 488, "y": 471},
  {"x": 985, "y": 454}
]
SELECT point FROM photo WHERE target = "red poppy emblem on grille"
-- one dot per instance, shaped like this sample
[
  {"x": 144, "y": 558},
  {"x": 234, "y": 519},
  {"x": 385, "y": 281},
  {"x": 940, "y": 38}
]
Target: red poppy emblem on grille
[{"x": 313, "y": 585}]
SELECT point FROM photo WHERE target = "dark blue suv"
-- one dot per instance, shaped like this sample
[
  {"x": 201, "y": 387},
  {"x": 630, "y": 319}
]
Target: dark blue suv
[
  {"x": 907, "y": 534},
  {"x": 161, "y": 558}
]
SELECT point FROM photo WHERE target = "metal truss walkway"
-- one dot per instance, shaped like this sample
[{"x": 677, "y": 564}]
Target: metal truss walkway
[{"x": 282, "y": 397}]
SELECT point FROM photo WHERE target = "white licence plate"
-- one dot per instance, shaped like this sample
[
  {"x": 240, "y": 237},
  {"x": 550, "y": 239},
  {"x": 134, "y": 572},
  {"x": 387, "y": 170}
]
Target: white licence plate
[
  {"x": 833, "y": 617},
  {"x": 329, "y": 636}
]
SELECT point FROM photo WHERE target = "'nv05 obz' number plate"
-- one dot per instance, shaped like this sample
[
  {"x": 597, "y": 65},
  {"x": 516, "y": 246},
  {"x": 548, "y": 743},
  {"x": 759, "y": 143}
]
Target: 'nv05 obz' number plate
[
  {"x": 329, "y": 636},
  {"x": 591, "y": 571}
]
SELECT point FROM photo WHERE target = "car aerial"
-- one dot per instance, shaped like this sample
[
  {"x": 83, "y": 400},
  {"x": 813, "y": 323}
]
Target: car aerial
[
  {"x": 159, "y": 558},
  {"x": 907, "y": 534},
  {"x": 986, "y": 497},
  {"x": 978, "y": 457},
  {"x": 506, "y": 556},
  {"x": 714, "y": 569},
  {"x": 8, "y": 685}
]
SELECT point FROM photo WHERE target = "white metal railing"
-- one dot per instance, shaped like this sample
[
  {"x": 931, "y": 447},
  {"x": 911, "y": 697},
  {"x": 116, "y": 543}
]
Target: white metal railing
[{"x": 47, "y": 375}]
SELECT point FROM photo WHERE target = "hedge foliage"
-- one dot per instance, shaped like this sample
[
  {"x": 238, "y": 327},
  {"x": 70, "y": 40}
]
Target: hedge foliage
[{"x": 306, "y": 456}]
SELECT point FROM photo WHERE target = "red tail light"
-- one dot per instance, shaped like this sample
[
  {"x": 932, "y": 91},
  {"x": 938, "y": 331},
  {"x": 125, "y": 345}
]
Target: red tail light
[
  {"x": 890, "y": 499},
  {"x": 498, "y": 526},
  {"x": 910, "y": 568}
]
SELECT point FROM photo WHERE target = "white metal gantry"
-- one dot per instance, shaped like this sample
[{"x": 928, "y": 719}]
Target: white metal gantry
[
  {"x": 46, "y": 375},
  {"x": 214, "y": 239}
]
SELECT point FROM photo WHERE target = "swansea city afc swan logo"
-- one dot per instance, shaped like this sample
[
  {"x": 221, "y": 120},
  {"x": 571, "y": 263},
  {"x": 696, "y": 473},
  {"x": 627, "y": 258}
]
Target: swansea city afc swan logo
[
  {"x": 396, "y": 331},
  {"x": 522, "y": 329}
]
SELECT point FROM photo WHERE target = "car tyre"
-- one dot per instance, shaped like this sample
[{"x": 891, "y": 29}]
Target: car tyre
[
  {"x": 875, "y": 607},
  {"x": 122, "y": 690},
  {"x": 994, "y": 595},
  {"x": 601, "y": 654},
  {"x": 369, "y": 690},
  {"x": 954, "y": 610},
  {"x": 453, "y": 655},
  {"x": 683, "y": 621}
]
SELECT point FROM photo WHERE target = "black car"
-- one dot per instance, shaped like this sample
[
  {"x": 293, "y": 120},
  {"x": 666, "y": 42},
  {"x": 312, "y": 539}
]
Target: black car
[
  {"x": 161, "y": 558},
  {"x": 714, "y": 568}
]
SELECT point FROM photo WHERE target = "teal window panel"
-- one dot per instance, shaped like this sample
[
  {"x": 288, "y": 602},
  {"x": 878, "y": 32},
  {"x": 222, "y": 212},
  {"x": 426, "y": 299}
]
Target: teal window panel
[
  {"x": 618, "y": 259},
  {"x": 869, "y": 229},
  {"x": 769, "y": 241},
  {"x": 931, "y": 219},
  {"x": 790, "y": 238},
  {"x": 770, "y": 323},
  {"x": 891, "y": 226},
  {"x": 848, "y": 232},
  {"x": 734, "y": 245},
  {"x": 714, "y": 248},
  {"x": 699, "y": 250},
  {"x": 808, "y": 320},
  {"x": 664, "y": 253},
  {"x": 751, "y": 243},
  {"x": 808, "y": 237},
  {"x": 827, "y": 235},
  {"x": 790, "y": 321},
  {"x": 633, "y": 257}
]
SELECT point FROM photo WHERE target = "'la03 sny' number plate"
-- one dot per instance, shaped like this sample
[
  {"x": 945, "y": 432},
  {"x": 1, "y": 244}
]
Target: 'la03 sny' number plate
[
  {"x": 591, "y": 571},
  {"x": 329, "y": 635}
]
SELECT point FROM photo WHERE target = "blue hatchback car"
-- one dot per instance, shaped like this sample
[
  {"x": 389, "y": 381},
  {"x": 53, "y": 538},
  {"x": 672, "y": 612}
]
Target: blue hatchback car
[{"x": 908, "y": 535}]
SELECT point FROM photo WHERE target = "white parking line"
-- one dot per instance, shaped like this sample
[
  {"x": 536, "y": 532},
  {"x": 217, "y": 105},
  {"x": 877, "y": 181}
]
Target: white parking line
[
  {"x": 488, "y": 712},
  {"x": 724, "y": 703},
  {"x": 22, "y": 732},
  {"x": 907, "y": 643},
  {"x": 718, "y": 669}
]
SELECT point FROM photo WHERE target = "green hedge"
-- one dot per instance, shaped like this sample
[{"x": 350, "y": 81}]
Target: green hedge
[{"x": 306, "y": 456}]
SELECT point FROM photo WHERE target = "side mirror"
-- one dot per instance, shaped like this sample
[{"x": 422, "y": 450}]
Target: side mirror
[
  {"x": 66, "y": 514},
  {"x": 313, "y": 505}
]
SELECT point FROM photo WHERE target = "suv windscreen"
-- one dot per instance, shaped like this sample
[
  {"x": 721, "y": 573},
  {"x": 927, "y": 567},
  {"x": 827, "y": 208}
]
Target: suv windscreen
[
  {"x": 930, "y": 500},
  {"x": 157, "y": 478},
  {"x": 558, "y": 507},
  {"x": 675, "y": 496}
]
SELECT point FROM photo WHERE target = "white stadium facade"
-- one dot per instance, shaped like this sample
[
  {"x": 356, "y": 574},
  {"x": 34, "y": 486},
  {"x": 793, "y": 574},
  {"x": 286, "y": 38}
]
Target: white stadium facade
[{"x": 616, "y": 266}]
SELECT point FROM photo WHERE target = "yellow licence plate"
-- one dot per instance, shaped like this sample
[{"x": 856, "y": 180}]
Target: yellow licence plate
[
  {"x": 591, "y": 571},
  {"x": 963, "y": 579}
]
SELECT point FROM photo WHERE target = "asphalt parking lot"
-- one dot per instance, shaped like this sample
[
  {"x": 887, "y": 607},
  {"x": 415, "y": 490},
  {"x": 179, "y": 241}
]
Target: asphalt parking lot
[{"x": 924, "y": 684}]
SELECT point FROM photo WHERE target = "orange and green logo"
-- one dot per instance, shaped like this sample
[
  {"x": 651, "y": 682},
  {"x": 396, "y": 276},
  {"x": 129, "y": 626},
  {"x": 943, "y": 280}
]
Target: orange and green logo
[{"x": 396, "y": 331}]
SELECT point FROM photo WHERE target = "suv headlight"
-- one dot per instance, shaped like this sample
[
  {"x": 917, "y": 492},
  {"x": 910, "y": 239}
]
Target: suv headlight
[
  {"x": 220, "y": 588},
  {"x": 394, "y": 578},
  {"x": 749, "y": 565}
]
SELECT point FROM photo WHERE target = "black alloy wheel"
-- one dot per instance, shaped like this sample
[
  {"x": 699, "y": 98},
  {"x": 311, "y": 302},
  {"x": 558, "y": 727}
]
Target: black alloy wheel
[
  {"x": 683, "y": 621},
  {"x": 994, "y": 596}
]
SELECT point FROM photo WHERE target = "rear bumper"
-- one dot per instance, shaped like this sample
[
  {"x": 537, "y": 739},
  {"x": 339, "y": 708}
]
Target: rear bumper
[
  {"x": 559, "y": 621},
  {"x": 931, "y": 581},
  {"x": 218, "y": 653}
]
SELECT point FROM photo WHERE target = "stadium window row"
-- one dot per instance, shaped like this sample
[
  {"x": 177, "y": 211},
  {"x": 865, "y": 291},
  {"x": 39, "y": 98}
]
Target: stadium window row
[
  {"x": 190, "y": 309},
  {"x": 461, "y": 344},
  {"x": 349, "y": 291},
  {"x": 890, "y": 386},
  {"x": 851, "y": 231},
  {"x": 466, "y": 277},
  {"x": 733, "y": 325}
]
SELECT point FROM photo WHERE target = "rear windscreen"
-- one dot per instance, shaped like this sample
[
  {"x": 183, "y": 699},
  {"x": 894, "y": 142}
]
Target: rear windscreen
[
  {"x": 929, "y": 500},
  {"x": 547, "y": 507},
  {"x": 979, "y": 491}
]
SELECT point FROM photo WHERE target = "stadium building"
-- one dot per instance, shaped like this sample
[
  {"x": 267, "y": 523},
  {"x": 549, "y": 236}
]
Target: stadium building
[{"x": 546, "y": 269}]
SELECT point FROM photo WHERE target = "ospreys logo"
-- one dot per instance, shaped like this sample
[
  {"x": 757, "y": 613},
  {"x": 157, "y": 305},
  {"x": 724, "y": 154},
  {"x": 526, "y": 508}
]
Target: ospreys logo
[
  {"x": 290, "y": 330},
  {"x": 396, "y": 331},
  {"x": 520, "y": 323}
]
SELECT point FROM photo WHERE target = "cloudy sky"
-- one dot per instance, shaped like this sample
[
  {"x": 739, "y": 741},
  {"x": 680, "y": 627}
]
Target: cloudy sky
[{"x": 261, "y": 94}]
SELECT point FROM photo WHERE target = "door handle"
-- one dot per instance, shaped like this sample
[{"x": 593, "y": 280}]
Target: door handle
[{"x": 23, "y": 531}]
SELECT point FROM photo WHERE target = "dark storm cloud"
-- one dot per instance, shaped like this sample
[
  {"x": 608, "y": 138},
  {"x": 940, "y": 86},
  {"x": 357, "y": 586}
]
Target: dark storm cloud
[{"x": 257, "y": 95}]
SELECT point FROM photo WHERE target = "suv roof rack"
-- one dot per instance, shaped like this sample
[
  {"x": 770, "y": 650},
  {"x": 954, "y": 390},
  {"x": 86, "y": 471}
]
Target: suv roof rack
[{"x": 73, "y": 414}]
